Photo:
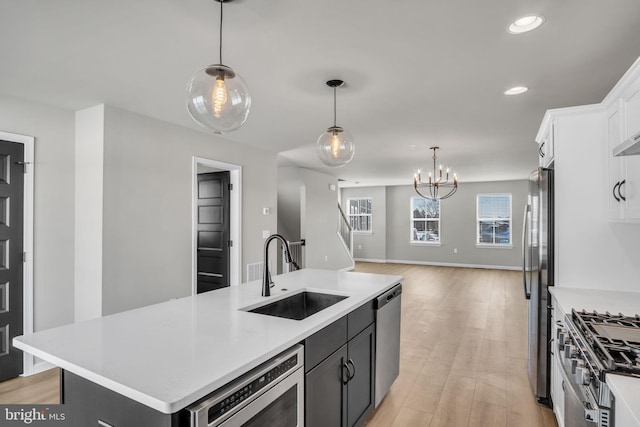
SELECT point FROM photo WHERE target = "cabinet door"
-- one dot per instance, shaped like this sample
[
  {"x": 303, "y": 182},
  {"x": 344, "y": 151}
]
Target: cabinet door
[
  {"x": 361, "y": 386},
  {"x": 325, "y": 392},
  {"x": 630, "y": 108},
  {"x": 546, "y": 146},
  {"x": 631, "y": 188},
  {"x": 616, "y": 164}
]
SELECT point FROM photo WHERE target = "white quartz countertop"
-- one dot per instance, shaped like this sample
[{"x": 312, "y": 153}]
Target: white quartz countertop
[
  {"x": 625, "y": 389},
  {"x": 615, "y": 302},
  {"x": 169, "y": 355}
]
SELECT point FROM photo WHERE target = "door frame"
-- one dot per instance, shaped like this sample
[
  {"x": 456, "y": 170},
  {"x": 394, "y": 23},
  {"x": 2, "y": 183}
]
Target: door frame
[
  {"x": 27, "y": 236},
  {"x": 235, "y": 219}
]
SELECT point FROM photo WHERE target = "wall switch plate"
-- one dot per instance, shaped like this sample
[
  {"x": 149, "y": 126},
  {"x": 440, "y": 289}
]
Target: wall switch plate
[
  {"x": 455, "y": 250},
  {"x": 266, "y": 211},
  {"x": 266, "y": 233}
]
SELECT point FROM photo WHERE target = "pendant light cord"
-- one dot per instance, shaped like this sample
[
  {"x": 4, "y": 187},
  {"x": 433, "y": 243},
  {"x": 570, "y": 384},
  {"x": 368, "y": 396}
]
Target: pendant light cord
[
  {"x": 221, "y": 2},
  {"x": 334, "y": 107}
]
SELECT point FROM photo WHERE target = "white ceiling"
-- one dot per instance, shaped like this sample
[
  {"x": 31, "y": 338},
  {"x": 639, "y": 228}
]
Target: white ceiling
[{"x": 417, "y": 72}]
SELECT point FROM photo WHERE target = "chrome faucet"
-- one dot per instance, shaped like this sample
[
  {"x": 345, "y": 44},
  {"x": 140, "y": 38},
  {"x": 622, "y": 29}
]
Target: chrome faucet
[{"x": 266, "y": 276}]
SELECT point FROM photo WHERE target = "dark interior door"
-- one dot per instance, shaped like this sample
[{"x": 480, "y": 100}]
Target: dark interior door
[
  {"x": 11, "y": 253},
  {"x": 213, "y": 231}
]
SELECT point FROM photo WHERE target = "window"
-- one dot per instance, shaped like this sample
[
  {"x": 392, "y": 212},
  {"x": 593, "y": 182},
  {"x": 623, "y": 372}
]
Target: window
[
  {"x": 494, "y": 219},
  {"x": 425, "y": 220},
  {"x": 359, "y": 213}
]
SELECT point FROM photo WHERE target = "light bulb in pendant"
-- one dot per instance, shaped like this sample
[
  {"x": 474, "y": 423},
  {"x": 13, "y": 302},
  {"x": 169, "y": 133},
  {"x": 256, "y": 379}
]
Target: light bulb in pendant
[
  {"x": 219, "y": 97},
  {"x": 335, "y": 145}
]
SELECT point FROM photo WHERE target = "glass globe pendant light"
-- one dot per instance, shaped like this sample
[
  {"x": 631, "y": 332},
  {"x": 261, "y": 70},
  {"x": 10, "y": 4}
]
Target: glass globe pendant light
[
  {"x": 217, "y": 97},
  {"x": 335, "y": 147}
]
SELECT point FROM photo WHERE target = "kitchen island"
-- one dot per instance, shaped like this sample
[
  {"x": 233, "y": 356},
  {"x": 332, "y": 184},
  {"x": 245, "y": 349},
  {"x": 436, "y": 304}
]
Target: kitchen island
[
  {"x": 169, "y": 355},
  {"x": 626, "y": 389}
]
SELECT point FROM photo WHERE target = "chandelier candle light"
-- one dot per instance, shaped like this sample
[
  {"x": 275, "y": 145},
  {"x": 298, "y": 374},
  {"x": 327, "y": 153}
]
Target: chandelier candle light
[
  {"x": 217, "y": 97},
  {"x": 335, "y": 147},
  {"x": 436, "y": 182}
]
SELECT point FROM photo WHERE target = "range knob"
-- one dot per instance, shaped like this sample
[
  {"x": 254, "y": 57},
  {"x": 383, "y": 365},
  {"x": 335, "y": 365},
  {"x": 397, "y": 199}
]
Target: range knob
[
  {"x": 570, "y": 351},
  {"x": 562, "y": 338},
  {"x": 582, "y": 375}
]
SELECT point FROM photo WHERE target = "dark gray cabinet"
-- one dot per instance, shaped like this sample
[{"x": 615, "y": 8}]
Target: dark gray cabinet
[
  {"x": 361, "y": 386},
  {"x": 89, "y": 404},
  {"x": 340, "y": 369},
  {"x": 325, "y": 393}
]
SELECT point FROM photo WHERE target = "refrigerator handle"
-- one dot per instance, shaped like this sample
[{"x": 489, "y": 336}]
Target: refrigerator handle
[{"x": 525, "y": 235}]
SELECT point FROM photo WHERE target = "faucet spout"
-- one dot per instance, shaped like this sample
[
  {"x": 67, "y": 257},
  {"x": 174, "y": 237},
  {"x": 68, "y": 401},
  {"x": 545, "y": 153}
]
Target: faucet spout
[{"x": 266, "y": 275}]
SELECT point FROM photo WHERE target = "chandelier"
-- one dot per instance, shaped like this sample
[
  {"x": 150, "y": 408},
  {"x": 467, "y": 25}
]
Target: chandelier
[{"x": 438, "y": 181}]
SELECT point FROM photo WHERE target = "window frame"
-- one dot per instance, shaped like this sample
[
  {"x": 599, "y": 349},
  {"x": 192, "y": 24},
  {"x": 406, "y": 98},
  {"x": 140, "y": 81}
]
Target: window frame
[
  {"x": 412, "y": 219},
  {"x": 350, "y": 215},
  {"x": 494, "y": 245}
]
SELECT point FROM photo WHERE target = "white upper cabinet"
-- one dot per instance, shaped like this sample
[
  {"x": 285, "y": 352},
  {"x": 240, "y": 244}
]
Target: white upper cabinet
[
  {"x": 616, "y": 164},
  {"x": 546, "y": 140},
  {"x": 624, "y": 171}
]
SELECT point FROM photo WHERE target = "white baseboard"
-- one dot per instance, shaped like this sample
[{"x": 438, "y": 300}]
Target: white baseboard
[
  {"x": 39, "y": 366},
  {"x": 442, "y": 264},
  {"x": 382, "y": 261}
]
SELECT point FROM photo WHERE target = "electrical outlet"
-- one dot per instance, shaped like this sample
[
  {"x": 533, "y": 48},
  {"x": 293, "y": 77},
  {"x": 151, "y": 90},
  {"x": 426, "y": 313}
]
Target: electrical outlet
[
  {"x": 359, "y": 247},
  {"x": 266, "y": 233},
  {"x": 455, "y": 250},
  {"x": 326, "y": 258}
]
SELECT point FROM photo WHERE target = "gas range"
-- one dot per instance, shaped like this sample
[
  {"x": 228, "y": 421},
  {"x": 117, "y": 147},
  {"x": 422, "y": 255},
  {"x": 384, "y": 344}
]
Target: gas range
[
  {"x": 614, "y": 338},
  {"x": 591, "y": 346}
]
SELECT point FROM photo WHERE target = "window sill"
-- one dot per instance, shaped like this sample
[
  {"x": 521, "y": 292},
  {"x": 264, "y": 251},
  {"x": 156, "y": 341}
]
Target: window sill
[
  {"x": 419, "y": 243},
  {"x": 490, "y": 246}
]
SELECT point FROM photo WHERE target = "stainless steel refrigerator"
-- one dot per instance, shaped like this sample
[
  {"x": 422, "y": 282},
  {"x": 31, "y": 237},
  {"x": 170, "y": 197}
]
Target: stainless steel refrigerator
[{"x": 537, "y": 274}]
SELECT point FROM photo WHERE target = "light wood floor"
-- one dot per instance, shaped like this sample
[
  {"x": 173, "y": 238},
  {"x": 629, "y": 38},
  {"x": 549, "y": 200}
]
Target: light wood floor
[
  {"x": 463, "y": 353},
  {"x": 43, "y": 388}
]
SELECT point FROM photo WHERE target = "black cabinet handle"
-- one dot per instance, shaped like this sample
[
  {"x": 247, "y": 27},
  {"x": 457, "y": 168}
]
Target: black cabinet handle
[
  {"x": 345, "y": 367},
  {"x": 620, "y": 190},
  {"x": 614, "y": 191},
  {"x": 540, "y": 151},
  {"x": 350, "y": 363}
]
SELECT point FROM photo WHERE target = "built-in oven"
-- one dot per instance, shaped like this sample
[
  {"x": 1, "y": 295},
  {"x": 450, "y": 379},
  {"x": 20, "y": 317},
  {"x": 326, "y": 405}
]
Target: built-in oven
[
  {"x": 270, "y": 395},
  {"x": 588, "y": 402}
]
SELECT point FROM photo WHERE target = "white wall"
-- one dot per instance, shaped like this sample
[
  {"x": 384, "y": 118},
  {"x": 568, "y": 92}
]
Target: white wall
[
  {"x": 53, "y": 130},
  {"x": 290, "y": 187},
  {"x": 88, "y": 214},
  {"x": 592, "y": 252},
  {"x": 370, "y": 246},
  {"x": 318, "y": 216},
  {"x": 457, "y": 227},
  {"x": 147, "y": 206}
]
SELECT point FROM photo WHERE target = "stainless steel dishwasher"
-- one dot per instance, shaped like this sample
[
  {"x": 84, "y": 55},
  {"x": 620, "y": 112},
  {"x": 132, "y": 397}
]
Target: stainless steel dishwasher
[{"x": 387, "y": 340}]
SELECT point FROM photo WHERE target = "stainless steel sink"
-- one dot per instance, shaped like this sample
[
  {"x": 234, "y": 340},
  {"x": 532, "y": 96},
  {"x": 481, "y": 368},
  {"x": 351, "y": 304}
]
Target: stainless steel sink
[{"x": 299, "y": 306}]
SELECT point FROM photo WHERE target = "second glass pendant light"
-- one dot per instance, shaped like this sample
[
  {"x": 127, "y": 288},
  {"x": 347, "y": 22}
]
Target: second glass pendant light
[{"x": 335, "y": 147}]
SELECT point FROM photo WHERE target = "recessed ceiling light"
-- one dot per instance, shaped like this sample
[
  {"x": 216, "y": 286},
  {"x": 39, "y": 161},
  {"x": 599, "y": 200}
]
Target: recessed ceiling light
[
  {"x": 516, "y": 90},
  {"x": 525, "y": 24}
]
